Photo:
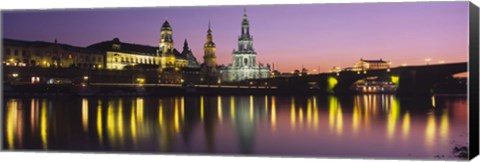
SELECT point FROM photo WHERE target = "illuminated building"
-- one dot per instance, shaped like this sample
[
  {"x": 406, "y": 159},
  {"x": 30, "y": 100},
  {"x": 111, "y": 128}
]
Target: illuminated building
[
  {"x": 244, "y": 65},
  {"x": 209, "y": 58},
  {"x": 371, "y": 64},
  {"x": 121, "y": 55},
  {"x": 50, "y": 55}
]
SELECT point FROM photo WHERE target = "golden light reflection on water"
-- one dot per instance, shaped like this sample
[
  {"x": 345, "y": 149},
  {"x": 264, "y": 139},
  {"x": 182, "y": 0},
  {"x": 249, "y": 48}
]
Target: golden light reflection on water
[
  {"x": 139, "y": 109},
  {"x": 300, "y": 117},
  {"x": 11, "y": 122},
  {"x": 111, "y": 123},
  {"x": 430, "y": 131},
  {"x": 202, "y": 108},
  {"x": 406, "y": 125},
  {"x": 356, "y": 117},
  {"x": 232, "y": 108},
  {"x": 160, "y": 114},
  {"x": 444, "y": 126},
  {"x": 292, "y": 113},
  {"x": 392, "y": 117},
  {"x": 309, "y": 113},
  {"x": 182, "y": 107},
  {"x": 335, "y": 115},
  {"x": 273, "y": 114},
  {"x": 133, "y": 124},
  {"x": 266, "y": 104},
  {"x": 85, "y": 114},
  {"x": 44, "y": 125},
  {"x": 120, "y": 125},
  {"x": 219, "y": 108},
  {"x": 112, "y": 119},
  {"x": 315, "y": 114},
  {"x": 34, "y": 114},
  {"x": 99, "y": 122},
  {"x": 176, "y": 117}
]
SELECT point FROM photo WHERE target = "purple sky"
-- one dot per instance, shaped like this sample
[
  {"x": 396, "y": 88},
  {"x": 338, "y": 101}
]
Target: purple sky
[{"x": 317, "y": 36}]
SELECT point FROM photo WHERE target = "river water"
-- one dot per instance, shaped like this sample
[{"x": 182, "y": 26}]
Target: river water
[{"x": 364, "y": 126}]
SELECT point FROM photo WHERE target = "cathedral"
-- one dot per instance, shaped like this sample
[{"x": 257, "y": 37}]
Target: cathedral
[{"x": 244, "y": 65}]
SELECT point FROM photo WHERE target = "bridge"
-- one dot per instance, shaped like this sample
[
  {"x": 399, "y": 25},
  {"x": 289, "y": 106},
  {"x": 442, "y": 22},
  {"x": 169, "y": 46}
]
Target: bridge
[{"x": 409, "y": 79}]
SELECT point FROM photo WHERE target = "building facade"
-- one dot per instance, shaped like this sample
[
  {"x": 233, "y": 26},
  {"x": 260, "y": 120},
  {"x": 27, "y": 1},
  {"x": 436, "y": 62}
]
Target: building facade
[
  {"x": 244, "y": 65},
  {"x": 371, "y": 65},
  {"x": 209, "y": 68},
  {"x": 121, "y": 55},
  {"x": 50, "y": 55}
]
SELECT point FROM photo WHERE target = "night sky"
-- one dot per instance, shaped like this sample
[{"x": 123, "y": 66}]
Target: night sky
[{"x": 317, "y": 36}]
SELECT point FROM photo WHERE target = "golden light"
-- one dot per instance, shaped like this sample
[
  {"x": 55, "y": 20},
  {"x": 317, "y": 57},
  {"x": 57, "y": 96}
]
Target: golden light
[
  {"x": 406, "y": 125},
  {"x": 219, "y": 108},
  {"x": 232, "y": 108},
  {"x": 44, "y": 125},
  {"x": 99, "y": 122},
  {"x": 202, "y": 108},
  {"x": 85, "y": 77},
  {"x": 85, "y": 114},
  {"x": 273, "y": 115},
  {"x": 140, "y": 80},
  {"x": 15, "y": 75},
  {"x": 11, "y": 122},
  {"x": 430, "y": 130},
  {"x": 292, "y": 113}
]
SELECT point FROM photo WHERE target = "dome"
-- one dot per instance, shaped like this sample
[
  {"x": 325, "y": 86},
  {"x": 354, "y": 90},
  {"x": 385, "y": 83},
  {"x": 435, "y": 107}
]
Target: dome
[{"x": 166, "y": 25}]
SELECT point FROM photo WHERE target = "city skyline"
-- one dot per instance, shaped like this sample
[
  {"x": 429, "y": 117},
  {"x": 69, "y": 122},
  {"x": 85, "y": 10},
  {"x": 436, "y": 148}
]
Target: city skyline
[{"x": 313, "y": 36}]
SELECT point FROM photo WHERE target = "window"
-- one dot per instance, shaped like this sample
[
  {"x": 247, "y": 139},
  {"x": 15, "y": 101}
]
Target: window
[
  {"x": 15, "y": 52},
  {"x": 245, "y": 61},
  {"x": 24, "y": 53},
  {"x": 7, "y": 51}
]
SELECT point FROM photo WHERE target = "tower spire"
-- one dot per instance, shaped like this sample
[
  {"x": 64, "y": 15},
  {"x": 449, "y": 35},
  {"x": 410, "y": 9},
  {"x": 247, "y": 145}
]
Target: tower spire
[{"x": 209, "y": 29}]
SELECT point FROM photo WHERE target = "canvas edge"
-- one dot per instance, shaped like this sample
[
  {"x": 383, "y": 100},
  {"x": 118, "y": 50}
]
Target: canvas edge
[{"x": 473, "y": 70}]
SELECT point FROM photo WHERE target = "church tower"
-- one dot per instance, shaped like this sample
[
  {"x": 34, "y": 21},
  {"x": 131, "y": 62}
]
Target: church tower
[
  {"x": 166, "y": 46},
  {"x": 244, "y": 65},
  {"x": 209, "y": 58}
]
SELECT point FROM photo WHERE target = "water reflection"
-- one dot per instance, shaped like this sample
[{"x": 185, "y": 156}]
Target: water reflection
[{"x": 360, "y": 125}]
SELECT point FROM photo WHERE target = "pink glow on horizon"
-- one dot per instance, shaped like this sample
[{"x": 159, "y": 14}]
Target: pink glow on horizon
[{"x": 316, "y": 36}]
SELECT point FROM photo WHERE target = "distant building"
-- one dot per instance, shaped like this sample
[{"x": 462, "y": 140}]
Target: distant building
[
  {"x": 50, "y": 55},
  {"x": 244, "y": 65},
  {"x": 187, "y": 52},
  {"x": 169, "y": 56},
  {"x": 371, "y": 64},
  {"x": 209, "y": 67},
  {"x": 120, "y": 55}
]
